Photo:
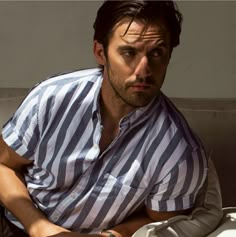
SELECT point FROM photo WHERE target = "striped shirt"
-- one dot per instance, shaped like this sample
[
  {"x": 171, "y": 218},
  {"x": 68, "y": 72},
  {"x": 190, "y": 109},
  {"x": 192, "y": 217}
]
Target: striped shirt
[{"x": 155, "y": 160}]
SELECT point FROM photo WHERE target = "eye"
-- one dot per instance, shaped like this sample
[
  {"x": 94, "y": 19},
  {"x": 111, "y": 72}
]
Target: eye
[
  {"x": 129, "y": 53},
  {"x": 156, "y": 53}
]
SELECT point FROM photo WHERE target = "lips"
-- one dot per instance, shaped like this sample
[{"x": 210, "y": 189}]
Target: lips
[{"x": 140, "y": 86}]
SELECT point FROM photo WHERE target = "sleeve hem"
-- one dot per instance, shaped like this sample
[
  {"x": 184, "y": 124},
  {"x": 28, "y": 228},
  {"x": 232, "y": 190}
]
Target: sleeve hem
[
  {"x": 11, "y": 138},
  {"x": 178, "y": 204}
]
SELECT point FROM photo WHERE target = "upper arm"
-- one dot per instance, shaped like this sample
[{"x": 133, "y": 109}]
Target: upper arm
[
  {"x": 20, "y": 134},
  {"x": 10, "y": 158},
  {"x": 178, "y": 188}
]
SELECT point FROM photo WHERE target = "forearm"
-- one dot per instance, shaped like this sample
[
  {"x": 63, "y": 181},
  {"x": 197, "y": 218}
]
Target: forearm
[
  {"x": 125, "y": 229},
  {"x": 15, "y": 197}
]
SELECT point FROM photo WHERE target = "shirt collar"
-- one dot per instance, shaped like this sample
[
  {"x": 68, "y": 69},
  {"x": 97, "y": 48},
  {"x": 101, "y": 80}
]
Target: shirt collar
[
  {"x": 141, "y": 113},
  {"x": 138, "y": 115},
  {"x": 96, "y": 106}
]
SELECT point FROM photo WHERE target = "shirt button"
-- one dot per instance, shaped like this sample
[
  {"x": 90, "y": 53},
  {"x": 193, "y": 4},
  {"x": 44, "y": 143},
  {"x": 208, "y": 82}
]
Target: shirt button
[{"x": 96, "y": 147}]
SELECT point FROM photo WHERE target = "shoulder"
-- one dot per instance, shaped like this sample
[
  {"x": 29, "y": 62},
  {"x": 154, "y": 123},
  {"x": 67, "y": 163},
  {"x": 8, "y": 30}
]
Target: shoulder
[
  {"x": 64, "y": 83},
  {"x": 60, "y": 88},
  {"x": 179, "y": 123},
  {"x": 70, "y": 78}
]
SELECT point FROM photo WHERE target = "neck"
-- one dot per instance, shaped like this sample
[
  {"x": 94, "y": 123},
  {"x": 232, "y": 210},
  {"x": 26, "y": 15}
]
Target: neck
[{"x": 113, "y": 107}]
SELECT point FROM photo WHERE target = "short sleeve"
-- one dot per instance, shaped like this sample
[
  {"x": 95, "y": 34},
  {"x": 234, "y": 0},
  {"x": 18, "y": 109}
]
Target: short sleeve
[
  {"x": 21, "y": 132},
  {"x": 179, "y": 187}
]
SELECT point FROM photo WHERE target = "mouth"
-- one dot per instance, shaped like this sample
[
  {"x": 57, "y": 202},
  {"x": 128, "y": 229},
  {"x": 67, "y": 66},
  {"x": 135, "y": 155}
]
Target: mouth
[{"x": 140, "y": 87}]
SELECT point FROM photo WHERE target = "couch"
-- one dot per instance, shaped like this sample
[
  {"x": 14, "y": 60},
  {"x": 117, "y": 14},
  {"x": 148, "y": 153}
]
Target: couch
[{"x": 214, "y": 120}]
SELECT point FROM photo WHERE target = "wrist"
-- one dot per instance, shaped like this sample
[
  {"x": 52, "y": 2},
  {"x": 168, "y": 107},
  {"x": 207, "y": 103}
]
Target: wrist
[
  {"x": 110, "y": 233},
  {"x": 35, "y": 228}
]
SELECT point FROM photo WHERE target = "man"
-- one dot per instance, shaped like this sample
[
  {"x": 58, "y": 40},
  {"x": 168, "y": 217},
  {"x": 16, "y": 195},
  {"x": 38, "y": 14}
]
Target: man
[{"x": 102, "y": 152}]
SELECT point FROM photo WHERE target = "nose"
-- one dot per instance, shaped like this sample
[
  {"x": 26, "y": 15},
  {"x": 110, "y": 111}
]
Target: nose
[{"x": 142, "y": 69}]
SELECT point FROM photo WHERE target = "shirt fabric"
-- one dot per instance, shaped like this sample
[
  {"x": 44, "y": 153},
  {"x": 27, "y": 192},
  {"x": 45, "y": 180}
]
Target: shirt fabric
[{"x": 155, "y": 159}]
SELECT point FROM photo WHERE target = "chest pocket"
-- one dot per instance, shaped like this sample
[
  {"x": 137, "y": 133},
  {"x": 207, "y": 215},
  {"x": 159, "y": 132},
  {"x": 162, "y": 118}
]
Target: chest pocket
[{"x": 111, "y": 201}]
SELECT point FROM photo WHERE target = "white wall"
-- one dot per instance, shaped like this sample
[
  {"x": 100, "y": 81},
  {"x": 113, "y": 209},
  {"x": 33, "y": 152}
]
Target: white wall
[{"x": 41, "y": 38}]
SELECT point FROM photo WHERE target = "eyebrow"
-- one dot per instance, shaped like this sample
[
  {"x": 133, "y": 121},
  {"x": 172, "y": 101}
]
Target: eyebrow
[
  {"x": 162, "y": 43},
  {"x": 126, "y": 47},
  {"x": 131, "y": 47}
]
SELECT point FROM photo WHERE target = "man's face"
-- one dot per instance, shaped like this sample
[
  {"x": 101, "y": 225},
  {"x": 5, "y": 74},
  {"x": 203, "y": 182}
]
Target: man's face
[{"x": 136, "y": 61}]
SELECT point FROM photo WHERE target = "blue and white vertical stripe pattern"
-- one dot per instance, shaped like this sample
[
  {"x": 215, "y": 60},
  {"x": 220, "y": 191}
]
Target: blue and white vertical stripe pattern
[{"x": 155, "y": 160}]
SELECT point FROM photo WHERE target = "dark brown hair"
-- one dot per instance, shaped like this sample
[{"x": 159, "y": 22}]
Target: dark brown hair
[{"x": 111, "y": 12}]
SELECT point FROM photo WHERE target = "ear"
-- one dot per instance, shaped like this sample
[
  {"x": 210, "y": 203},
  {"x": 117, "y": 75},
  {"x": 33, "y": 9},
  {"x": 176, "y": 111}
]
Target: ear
[{"x": 99, "y": 53}]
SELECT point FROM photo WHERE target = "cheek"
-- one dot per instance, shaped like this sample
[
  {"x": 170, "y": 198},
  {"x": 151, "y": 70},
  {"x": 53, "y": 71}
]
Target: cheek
[
  {"x": 119, "y": 68},
  {"x": 159, "y": 73},
  {"x": 118, "y": 64},
  {"x": 161, "y": 67}
]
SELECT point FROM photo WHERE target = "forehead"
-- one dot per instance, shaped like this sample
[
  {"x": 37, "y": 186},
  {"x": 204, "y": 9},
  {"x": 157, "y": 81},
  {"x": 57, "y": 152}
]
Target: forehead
[{"x": 137, "y": 31}]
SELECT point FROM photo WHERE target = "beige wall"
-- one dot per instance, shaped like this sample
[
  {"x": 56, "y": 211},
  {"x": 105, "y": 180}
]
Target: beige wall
[
  {"x": 40, "y": 38},
  {"x": 204, "y": 65}
]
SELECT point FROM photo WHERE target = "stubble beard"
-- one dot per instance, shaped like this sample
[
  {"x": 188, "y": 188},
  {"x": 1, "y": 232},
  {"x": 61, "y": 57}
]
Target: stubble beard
[{"x": 135, "y": 100}]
